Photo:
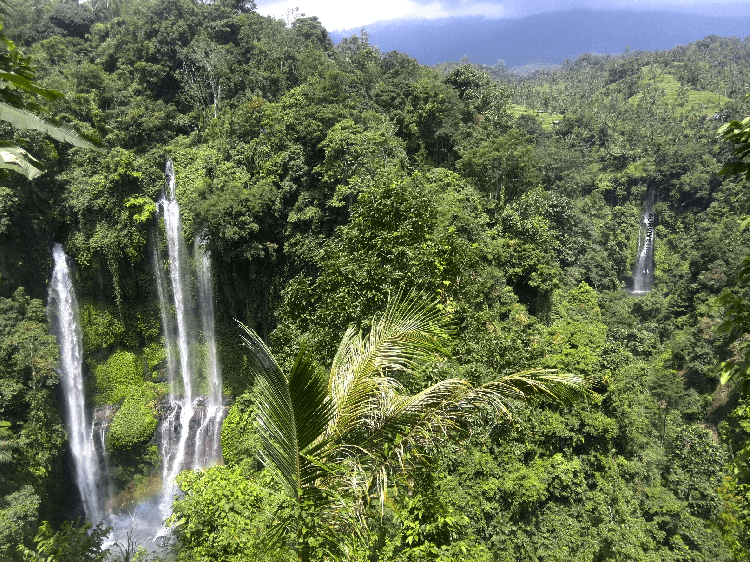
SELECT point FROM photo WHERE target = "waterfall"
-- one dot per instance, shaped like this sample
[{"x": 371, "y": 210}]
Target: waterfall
[
  {"x": 178, "y": 274},
  {"x": 190, "y": 418},
  {"x": 63, "y": 316},
  {"x": 193, "y": 368},
  {"x": 643, "y": 272},
  {"x": 215, "y": 399}
]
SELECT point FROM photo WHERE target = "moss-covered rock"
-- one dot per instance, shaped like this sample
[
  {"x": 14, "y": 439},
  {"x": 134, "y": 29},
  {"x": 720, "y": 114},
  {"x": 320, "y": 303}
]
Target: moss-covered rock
[
  {"x": 133, "y": 424},
  {"x": 118, "y": 376}
]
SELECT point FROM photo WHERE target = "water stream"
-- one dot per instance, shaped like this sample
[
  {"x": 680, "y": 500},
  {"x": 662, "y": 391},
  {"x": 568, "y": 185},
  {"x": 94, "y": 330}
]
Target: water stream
[
  {"x": 188, "y": 435},
  {"x": 178, "y": 274},
  {"x": 190, "y": 430},
  {"x": 643, "y": 272},
  {"x": 211, "y": 450},
  {"x": 63, "y": 316}
]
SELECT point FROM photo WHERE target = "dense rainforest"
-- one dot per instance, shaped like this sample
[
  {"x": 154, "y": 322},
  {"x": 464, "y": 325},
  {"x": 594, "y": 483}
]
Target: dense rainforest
[{"x": 327, "y": 179}]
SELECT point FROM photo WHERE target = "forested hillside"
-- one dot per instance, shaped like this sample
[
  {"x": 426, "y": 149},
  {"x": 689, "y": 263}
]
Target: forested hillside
[{"x": 329, "y": 181}]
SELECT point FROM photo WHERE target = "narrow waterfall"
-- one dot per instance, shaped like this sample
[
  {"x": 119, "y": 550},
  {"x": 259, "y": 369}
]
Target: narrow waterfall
[
  {"x": 210, "y": 452},
  {"x": 63, "y": 315},
  {"x": 195, "y": 407},
  {"x": 643, "y": 272}
]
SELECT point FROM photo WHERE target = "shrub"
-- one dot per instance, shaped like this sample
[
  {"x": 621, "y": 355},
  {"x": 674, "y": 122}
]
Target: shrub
[
  {"x": 133, "y": 424},
  {"x": 238, "y": 438},
  {"x": 100, "y": 328}
]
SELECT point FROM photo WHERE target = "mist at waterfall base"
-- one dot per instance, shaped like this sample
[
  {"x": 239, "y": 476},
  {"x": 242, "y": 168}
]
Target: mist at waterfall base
[
  {"x": 643, "y": 271},
  {"x": 188, "y": 434}
]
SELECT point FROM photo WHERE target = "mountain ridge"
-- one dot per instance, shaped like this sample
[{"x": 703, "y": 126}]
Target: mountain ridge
[{"x": 555, "y": 36}]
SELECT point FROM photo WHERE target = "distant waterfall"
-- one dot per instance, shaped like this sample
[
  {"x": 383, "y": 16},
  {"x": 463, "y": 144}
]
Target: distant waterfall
[
  {"x": 195, "y": 400},
  {"x": 643, "y": 272},
  {"x": 63, "y": 316}
]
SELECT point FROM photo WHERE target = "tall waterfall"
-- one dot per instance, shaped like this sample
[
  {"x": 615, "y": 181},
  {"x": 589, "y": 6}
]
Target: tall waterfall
[
  {"x": 63, "y": 316},
  {"x": 195, "y": 399},
  {"x": 211, "y": 453},
  {"x": 178, "y": 270},
  {"x": 643, "y": 272}
]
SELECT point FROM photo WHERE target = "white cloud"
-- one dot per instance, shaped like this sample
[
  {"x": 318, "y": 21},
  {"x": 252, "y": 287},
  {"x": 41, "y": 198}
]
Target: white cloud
[
  {"x": 343, "y": 14},
  {"x": 348, "y": 14}
]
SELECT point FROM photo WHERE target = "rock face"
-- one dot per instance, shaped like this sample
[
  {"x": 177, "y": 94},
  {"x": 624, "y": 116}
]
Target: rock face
[{"x": 202, "y": 445}]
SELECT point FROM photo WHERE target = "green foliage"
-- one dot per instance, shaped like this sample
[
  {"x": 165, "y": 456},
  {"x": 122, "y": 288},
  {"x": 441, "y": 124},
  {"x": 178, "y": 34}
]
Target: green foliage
[
  {"x": 33, "y": 433},
  {"x": 333, "y": 440},
  {"x": 117, "y": 376},
  {"x": 18, "y": 77},
  {"x": 738, "y": 133},
  {"x": 133, "y": 424},
  {"x": 226, "y": 515},
  {"x": 239, "y": 440},
  {"x": 310, "y": 169},
  {"x": 6, "y": 442},
  {"x": 577, "y": 334},
  {"x": 68, "y": 544},
  {"x": 503, "y": 167},
  {"x": 427, "y": 529},
  {"x": 154, "y": 355},
  {"x": 101, "y": 329},
  {"x": 695, "y": 469},
  {"x": 404, "y": 231},
  {"x": 19, "y": 511}
]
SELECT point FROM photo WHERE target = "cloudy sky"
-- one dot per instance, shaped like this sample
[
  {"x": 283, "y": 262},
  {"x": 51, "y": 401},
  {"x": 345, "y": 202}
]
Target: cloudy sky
[{"x": 347, "y": 14}]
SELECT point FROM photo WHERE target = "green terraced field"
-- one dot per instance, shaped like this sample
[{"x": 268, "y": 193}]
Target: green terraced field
[{"x": 708, "y": 102}]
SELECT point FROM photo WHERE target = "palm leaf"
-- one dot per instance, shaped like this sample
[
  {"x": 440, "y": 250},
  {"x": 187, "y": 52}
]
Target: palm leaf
[
  {"x": 26, "y": 84},
  {"x": 23, "y": 120},
  {"x": 292, "y": 414},
  {"x": 13, "y": 157},
  {"x": 421, "y": 422},
  {"x": 335, "y": 440},
  {"x": 6, "y": 442},
  {"x": 410, "y": 331},
  {"x": 528, "y": 385}
]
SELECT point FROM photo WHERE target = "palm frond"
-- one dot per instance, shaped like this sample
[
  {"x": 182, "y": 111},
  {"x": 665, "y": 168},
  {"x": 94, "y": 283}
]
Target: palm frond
[
  {"x": 312, "y": 411},
  {"x": 4, "y": 9},
  {"x": 527, "y": 385},
  {"x": 6, "y": 443},
  {"x": 336, "y": 440},
  {"x": 410, "y": 331},
  {"x": 402, "y": 428},
  {"x": 28, "y": 85},
  {"x": 292, "y": 414},
  {"x": 275, "y": 414},
  {"x": 23, "y": 120}
]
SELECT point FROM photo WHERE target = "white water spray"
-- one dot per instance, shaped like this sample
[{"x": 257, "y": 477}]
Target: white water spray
[
  {"x": 213, "y": 374},
  {"x": 185, "y": 342}
]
